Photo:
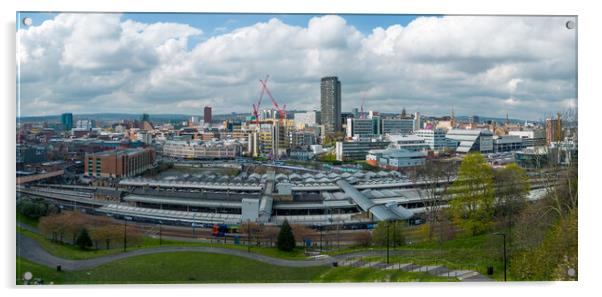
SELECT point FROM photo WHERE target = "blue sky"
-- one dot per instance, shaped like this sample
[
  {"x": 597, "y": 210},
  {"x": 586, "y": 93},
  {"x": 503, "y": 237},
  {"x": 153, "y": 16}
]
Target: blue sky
[
  {"x": 180, "y": 62},
  {"x": 208, "y": 22}
]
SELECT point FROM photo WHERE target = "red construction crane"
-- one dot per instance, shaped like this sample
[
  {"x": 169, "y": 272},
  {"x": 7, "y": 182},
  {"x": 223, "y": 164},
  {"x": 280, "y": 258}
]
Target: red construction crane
[
  {"x": 281, "y": 110},
  {"x": 362, "y": 115},
  {"x": 256, "y": 107}
]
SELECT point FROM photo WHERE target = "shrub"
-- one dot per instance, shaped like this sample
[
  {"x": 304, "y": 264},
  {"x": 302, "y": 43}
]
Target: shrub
[
  {"x": 83, "y": 239},
  {"x": 286, "y": 239}
]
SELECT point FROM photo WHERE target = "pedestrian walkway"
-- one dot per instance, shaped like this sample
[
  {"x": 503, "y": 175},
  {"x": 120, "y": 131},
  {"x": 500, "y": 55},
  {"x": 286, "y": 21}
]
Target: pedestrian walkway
[{"x": 437, "y": 270}]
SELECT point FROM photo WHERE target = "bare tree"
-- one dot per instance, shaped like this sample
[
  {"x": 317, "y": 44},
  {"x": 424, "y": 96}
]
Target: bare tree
[
  {"x": 302, "y": 232},
  {"x": 270, "y": 233},
  {"x": 511, "y": 190},
  {"x": 251, "y": 231},
  {"x": 432, "y": 182}
]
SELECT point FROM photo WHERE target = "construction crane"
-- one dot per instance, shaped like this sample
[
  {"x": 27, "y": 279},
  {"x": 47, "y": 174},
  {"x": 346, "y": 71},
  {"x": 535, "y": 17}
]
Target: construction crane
[
  {"x": 281, "y": 110},
  {"x": 256, "y": 107},
  {"x": 362, "y": 115}
]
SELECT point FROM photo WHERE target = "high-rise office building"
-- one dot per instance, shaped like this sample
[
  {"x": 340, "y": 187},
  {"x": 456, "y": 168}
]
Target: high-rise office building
[
  {"x": 330, "y": 94},
  {"x": 553, "y": 129},
  {"x": 67, "y": 120},
  {"x": 417, "y": 121},
  {"x": 145, "y": 117},
  {"x": 207, "y": 115}
]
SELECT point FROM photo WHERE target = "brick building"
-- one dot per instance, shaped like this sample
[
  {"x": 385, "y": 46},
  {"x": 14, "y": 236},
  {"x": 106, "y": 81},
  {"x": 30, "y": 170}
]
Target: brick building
[{"x": 119, "y": 163}]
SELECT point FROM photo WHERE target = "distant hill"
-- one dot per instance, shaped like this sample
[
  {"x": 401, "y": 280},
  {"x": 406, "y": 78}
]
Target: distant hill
[{"x": 115, "y": 117}]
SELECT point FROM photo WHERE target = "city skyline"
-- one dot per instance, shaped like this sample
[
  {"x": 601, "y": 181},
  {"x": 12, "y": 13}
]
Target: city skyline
[{"x": 523, "y": 66}]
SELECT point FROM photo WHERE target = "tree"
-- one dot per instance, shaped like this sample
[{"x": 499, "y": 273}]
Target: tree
[
  {"x": 105, "y": 234},
  {"x": 511, "y": 190},
  {"x": 270, "y": 233},
  {"x": 551, "y": 258},
  {"x": 286, "y": 239},
  {"x": 302, "y": 232},
  {"x": 437, "y": 176},
  {"x": 35, "y": 209},
  {"x": 396, "y": 233},
  {"x": 363, "y": 238},
  {"x": 546, "y": 235},
  {"x": 250, "y": 230},
  {"x": 83, "y": 239},
  {"x": 472, "y": 205}
]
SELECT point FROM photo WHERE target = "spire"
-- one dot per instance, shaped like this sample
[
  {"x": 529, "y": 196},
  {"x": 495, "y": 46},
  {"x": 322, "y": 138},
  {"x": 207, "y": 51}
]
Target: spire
[{"x": 453, "y": 117}]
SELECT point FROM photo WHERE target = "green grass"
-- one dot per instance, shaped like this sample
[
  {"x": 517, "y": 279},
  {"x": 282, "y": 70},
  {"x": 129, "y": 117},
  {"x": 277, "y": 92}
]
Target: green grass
[
  {"x": 188, "y": 267},
  {"x": 184, "y": 267},
  {"x": 69, "y": 251},
  {"x": 350, "y": 274},
  {"x": 38, "y": 271},
  {"x": 26, "y": 220},
  {"x": 464, "y": 252},
  {"x": 66, "y": 251}
]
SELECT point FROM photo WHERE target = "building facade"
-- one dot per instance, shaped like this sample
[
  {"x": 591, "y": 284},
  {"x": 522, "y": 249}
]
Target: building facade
[
  {"x": 553, "y": 130},
  {"x": 361, "y": 127},
  {"x": 408, "y": 142},
  {"x": 507, "y": 143},
  {"x": 531, "y": 138},
  {"x": 395, "y": 159},
  {"x": 207, "y": 115},
  {"x": 67, "y": 121},
  {"x": 398, "y": 126},
  {"x": 119, "y": 163},
  {"x": 330, "y": 99},
  {"x": 305, "y": 119},
  {"x": 434, "y": 138},
  {"x": 356, "y": 150},
  {"x": 471, "y": 140},
  {"x": 201, "y": 150}
]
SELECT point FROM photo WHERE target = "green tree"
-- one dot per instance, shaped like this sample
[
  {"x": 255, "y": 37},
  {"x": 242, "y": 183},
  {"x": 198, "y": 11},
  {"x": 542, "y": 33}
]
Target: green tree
[
  {"x": 396, "y": 233},
  {"x": 551, "y": 258},
  {"x": 286, "y": 239},
  {"x": 83, "y": 239},
  {"x": 35, "y": 209},
  {"x": 511, "y": 190},
  {"x": 472, "y": 205}
]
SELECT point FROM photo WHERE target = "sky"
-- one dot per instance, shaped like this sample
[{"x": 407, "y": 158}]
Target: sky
[{"x": 178, "y": 63}]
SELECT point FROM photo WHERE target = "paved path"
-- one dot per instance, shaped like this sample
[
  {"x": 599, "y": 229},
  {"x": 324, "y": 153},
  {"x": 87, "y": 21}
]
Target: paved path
[{"x": 31, "y": 250}]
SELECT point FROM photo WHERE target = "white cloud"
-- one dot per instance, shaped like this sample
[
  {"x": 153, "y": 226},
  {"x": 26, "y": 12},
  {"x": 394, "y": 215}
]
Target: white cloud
[{"x": 480, "y": 65}]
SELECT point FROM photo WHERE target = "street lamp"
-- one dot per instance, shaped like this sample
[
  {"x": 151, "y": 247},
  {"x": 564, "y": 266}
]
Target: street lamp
[
  {"x": 193, "y": 225},
  {"x": 160, "y": 232},
  {"x": 320, "y": 227},
  {"x": 125, "y": 224},
  {"x": 387, "y": 241},
  {"x": 505, "y": 260},
  {"x": 248, "y": 235}
]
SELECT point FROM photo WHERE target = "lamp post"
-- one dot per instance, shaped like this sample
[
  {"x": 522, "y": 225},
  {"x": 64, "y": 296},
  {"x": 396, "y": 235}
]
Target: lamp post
[
  {"x": 394, "y": 234},
  {"x": 160, "y": 232},
  {"x": 320, "y": 226},
  {"x": 125, "y": 225},
  {"x": 330, "y": 221},
  {"x": 248, "y": 236},
  {"x": 505, "y": 260},
  {"x": 387, "y": 241},
  {"x": 193, "y": 225}
]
